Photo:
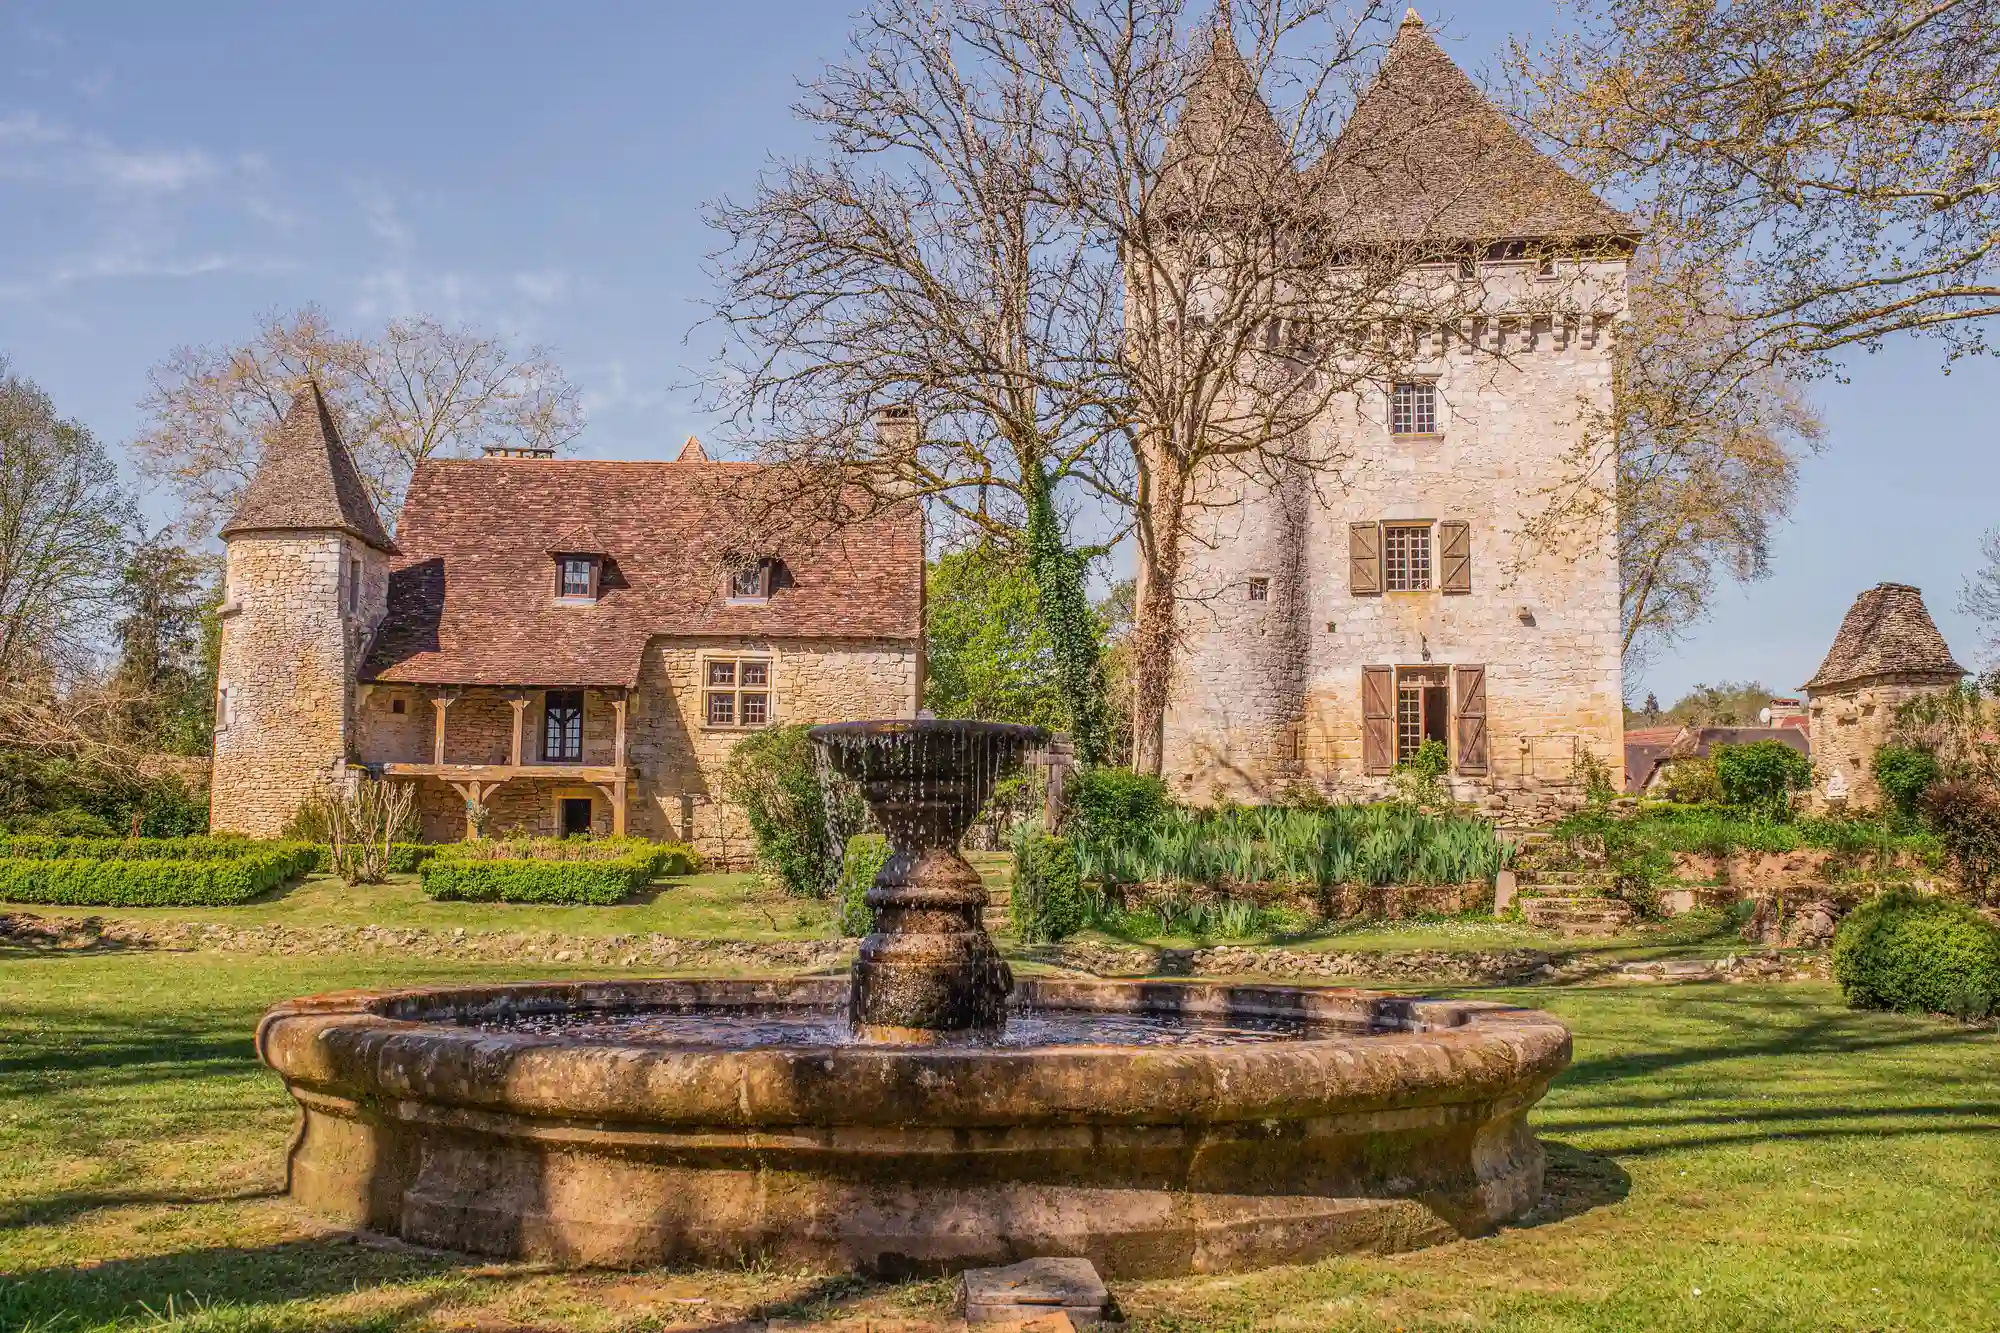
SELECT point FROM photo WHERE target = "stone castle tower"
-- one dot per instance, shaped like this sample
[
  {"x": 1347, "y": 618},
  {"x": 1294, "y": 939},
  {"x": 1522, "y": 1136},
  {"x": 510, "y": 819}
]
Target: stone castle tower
[
  {"x": 306, "y": 583},
  {"x": 1334, "y": 620},
  {"x": 1888, "y": 652}
]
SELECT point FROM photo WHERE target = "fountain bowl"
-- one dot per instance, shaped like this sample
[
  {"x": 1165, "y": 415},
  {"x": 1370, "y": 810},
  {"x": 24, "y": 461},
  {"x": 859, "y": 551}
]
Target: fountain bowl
[{"x": 444, "y": 1117}]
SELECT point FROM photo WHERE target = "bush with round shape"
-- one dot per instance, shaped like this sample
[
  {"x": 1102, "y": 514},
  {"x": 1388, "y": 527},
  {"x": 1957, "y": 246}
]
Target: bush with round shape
[
  {"x": 1761, "y": 776},
  {"x": 1114, "y": 804},
  {"x": 1049, "y": 901},
  {"x": 1916, "y": 954},
  {"x": 1904, "y": 773}
]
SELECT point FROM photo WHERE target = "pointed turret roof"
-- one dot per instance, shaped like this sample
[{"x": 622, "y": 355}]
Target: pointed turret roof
[
  {"x": 1226, "y": 147},
  {"x": 1426, "y": 155},
  {"x": 692, "y": 452},
  {"x": 306, "y": 480},
  {"x": 1888, "y": 632}
]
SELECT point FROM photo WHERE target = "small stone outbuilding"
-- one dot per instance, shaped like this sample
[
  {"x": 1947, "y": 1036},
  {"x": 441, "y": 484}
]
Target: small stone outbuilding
[{"x": 1888, "y": 652}]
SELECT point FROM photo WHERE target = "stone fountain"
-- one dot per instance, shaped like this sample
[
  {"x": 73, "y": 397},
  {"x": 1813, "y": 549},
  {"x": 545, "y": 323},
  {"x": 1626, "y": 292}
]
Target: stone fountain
[{"x": 924, "y": 1114}]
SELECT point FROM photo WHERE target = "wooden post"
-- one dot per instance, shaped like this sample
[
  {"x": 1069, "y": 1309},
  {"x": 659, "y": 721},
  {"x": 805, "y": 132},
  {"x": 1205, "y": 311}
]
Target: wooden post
[
  {"x": 618, "y": 741},
  {"x": 520, "y": 707},
  {"x": 441, "y": 702},
  {"x": 618, "y": 762},
  {"x": 471, "y": 792},
  {"x": 614, "y": 792}
]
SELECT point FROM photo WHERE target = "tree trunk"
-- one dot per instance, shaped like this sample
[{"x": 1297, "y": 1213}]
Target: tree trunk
[{"x": 1155, "y": 616}]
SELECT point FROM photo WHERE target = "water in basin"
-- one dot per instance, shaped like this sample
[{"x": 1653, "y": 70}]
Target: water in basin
[{"x": 751, "y": 1028}]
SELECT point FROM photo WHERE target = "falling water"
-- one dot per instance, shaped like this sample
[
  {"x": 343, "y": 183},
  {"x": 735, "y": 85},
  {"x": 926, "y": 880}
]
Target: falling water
[{"x": 927, "y": 967}]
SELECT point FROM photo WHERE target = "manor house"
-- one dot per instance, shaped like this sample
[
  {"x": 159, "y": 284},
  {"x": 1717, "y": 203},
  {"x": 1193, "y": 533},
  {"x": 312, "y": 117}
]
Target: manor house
[
  {"x": 1426, "y": 590},
  {"x": 546, "y": 646}
]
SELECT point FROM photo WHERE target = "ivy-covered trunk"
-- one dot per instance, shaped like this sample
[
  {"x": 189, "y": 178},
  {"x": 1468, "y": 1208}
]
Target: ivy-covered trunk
[
  {"x": 1154, "y": 617},
  {"x": 1072, "y": 625}
]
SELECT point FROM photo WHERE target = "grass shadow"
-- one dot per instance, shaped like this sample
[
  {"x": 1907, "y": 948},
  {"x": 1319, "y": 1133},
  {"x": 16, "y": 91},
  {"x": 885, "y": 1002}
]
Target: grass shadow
[{"x": 232, "y": 1277}]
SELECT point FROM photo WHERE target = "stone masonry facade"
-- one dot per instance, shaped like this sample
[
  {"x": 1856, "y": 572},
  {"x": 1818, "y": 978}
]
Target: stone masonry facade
[
  {"x": 294, "y": 625},
  {"x": 677, "y": 760},
  {"x": 1277, "y": 635}
]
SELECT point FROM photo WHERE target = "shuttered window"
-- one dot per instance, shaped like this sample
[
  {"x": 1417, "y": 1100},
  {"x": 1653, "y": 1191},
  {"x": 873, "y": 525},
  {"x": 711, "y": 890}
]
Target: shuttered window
[
  {"x": 1364, "y": 559},
  {"x": 1378, "y": 719},
  {"x": 1469, "y": 685},
  {"x": 1398, "y": 557},
  {"x": 1455, "y": 556}
]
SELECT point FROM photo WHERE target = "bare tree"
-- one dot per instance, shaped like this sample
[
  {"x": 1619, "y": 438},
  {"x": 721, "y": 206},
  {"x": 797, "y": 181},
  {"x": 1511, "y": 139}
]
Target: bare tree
[
  {"x": 1695, "y": 462},
  {"x": 63, "y": 521},
  {"x": 415, "y": 389},
  {"x": 1980, "y": 597},
  {"x": 1073, "y": 241},
  {"x": 1833, "y": 165}
]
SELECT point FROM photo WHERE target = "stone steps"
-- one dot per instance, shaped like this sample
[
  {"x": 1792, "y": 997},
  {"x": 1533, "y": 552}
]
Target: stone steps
[
  {"x": 1578, "y": 916},
  {"x": 1602, "y": 880}
]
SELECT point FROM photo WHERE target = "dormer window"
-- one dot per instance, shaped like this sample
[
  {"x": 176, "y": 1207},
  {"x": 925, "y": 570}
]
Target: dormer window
[
  {"x": 751, "y": 583},
  {"x": 577, "y": 577}
]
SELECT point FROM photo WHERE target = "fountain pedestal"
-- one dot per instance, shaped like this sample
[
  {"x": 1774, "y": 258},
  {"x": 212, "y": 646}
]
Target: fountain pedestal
[{"x": 928, "y": 972}]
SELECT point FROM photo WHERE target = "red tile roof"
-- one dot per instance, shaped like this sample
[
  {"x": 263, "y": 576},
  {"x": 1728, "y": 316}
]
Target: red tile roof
[{"x": 472, "y": 602}]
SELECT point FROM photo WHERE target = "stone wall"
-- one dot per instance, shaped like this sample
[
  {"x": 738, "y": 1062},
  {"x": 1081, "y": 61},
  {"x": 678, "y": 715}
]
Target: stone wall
[
  {"x": 1268, "y": 694},
  {"x": 678, "y": 759},
  {"x": 1850, "y": 724},
  {"x": 292, "y": 637}
]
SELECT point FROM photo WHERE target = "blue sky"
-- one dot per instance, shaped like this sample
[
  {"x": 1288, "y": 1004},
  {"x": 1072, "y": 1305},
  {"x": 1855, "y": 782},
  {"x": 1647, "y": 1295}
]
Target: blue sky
[{"x": 167, "y": 172}]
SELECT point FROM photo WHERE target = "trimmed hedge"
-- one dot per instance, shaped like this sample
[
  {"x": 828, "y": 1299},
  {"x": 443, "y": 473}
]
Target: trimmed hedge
[
  {"x": 41, "y": 848},
  {"x": 117, "y": 882},
  {"x": 404, "y": 857},
  {"x": 590, "y": 883},
  {"x": 667, "y": 858},
  {"x": 1918, "y": 955}
]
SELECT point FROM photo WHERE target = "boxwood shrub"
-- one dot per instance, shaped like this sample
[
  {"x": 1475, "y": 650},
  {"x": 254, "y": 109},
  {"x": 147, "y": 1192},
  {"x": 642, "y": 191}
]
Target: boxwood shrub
[
  {"x": 119, "y": 882},
  {"x": 404, "y": 857},
  {"x": 1918, "y": 955},
  {"x": 1048, "y": 901},
  {"x": 591, "y": 883},
  {"x": 40, "y": 848}
]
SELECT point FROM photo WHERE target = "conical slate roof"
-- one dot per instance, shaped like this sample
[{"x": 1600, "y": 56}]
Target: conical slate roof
[
  {"x": 1426, "y": 155},
  {"x": 306, "y": 480},
  {"x": 1226, "y": 148},
  {"x": 1887, "y": 632}
]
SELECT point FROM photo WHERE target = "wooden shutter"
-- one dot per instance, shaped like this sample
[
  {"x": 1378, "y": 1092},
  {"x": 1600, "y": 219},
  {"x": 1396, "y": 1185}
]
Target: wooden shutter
[
  {"x": 1378, "y": 719},
  {"x": 1471, "y": 692},
  {"x": 1455, "y": 556},
  {"x": 1364, "y": 559}
]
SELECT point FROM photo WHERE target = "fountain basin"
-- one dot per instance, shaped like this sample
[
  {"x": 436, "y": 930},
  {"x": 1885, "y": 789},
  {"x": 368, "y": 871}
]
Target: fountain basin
[{"x": 1373, "y": 1122}]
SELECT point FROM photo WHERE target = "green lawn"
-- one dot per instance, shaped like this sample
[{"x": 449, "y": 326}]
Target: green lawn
[{"x": 1799, "y": 1166}]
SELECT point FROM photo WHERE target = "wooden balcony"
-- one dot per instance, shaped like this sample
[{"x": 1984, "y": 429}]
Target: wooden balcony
[{"x": 476, "y": 782}]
